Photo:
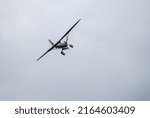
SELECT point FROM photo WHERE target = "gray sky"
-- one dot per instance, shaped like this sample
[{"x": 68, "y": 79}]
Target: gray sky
[{"x": 109, "y": 61}]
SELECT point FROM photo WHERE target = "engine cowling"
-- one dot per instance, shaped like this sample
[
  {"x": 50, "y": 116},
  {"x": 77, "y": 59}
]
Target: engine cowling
[{"x": 65, "y": 48}]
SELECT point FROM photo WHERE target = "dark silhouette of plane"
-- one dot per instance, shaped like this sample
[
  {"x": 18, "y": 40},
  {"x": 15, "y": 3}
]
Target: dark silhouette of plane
[{"x": 61, "y": 45}]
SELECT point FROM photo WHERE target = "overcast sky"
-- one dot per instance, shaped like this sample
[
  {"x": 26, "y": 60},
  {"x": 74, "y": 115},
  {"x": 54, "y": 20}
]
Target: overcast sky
[{"x": 109, "y": 61}]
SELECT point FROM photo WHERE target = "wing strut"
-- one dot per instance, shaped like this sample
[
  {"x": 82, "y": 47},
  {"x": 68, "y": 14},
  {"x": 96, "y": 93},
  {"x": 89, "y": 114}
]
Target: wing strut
[{"x": 67, "y": 37}]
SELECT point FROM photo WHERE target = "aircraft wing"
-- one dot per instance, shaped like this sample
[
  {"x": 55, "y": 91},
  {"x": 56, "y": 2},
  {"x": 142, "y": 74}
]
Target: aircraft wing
[
  {"x": 46, "y": 52},
  {"x": 59, "y": 40}
]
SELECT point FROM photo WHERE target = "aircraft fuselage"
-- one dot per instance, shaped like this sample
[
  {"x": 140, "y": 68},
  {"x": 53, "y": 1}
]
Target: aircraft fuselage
[{"x": 62, "y": 46}]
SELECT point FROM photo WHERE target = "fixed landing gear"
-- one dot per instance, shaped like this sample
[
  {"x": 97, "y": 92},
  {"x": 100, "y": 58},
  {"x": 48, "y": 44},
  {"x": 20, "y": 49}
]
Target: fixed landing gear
[{"x": 62, "y": 53}]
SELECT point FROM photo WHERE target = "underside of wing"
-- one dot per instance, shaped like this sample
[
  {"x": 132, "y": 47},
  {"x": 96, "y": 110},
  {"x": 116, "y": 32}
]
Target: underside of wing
[
  {"x": 46, "y": 52},
  {"x": 69, "y": 31}
]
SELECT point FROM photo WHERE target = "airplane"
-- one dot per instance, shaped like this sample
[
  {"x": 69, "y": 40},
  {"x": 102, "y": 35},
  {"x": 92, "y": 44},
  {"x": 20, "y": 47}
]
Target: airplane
[{"x": 61, "y": 45}]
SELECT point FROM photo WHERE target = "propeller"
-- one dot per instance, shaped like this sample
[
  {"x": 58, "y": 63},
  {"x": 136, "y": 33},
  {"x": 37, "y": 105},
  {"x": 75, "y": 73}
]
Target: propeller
[
  {"x": 71, "y": 45},
  {"x": 66, "y": 42}
]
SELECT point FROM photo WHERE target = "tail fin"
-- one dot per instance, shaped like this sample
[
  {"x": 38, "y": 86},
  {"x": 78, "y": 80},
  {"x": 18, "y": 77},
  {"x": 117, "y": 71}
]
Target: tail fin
[{"x": 51, "y": 42}]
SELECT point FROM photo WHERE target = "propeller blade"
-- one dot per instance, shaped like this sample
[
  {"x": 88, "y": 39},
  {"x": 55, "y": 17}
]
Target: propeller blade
[{"x": 71, "y": 45}]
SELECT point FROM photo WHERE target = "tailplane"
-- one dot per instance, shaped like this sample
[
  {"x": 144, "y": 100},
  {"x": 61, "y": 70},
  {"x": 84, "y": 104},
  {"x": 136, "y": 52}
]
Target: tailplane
[{"x": 51, "y": 42}]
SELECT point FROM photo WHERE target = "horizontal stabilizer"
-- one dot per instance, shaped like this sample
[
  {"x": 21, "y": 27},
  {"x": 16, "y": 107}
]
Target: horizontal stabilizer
[{"x": 51, "y": 42}]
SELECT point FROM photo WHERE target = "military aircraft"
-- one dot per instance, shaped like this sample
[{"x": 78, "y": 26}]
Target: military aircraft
[{"x": 61, "y": 45}]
